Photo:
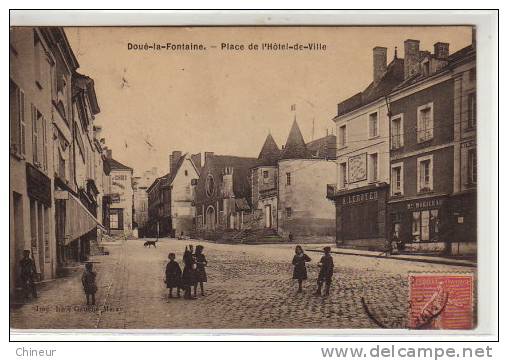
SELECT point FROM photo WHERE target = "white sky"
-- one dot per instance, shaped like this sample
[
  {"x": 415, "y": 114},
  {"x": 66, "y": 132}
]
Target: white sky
[{"x": 226, "y": 102}]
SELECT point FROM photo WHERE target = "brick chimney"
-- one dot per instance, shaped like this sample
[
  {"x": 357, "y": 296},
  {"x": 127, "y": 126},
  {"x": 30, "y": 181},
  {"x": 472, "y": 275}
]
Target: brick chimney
[
  {"x": 441, "y": 50},
  {"x": 208, "y": 157},
  {"x": 109, "y": 153},
  {"x": 379, "y": 62},
  {"x": 411, "y": 57},
  {"x": 173, "y": 159},
  {"x": 196, "y": 159}
]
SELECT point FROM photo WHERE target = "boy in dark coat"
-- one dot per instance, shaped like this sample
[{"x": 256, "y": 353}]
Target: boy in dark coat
[
  {"x": 28, "y": 272},
  {"x": 173, "y": 276},
  {"x": 300, "y": 270},
  {"x": 201, "y": 263},
  {"x": 325, "y": 272},
  {"x": 88, "y": 281},
  {"x": 189, "y": 272}
]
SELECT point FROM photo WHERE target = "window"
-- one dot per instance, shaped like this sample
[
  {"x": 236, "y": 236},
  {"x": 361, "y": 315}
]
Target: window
[
  {"x": 471, "y": 110},
  {"x": 373, "y": 128},
  {"x": 425, "y": 176},
  {"x": 373, "y": 176},
  {"x": 41, "y": 62},
  {"x": 288, "y": 179},
  {"x": 266, "y": 176},
  {"x": 397, "y": 181},
  {"x": 44, "y": 145},
  {"x": 342, "y": 136},
  {"x": 426, "y": 68},
  {"x": 17, "y": 118},
  {"x": 425, "y": 226},
  {"x": 471, "y": 166},
  {"x": 397, "y": 140},
  {"x": 342, "y": 175},
  {"x": 36, "y": 120},
  {"x": 186, "y": 173},
  {"x": 289, "y": 212},
  {"x": 425, "y": 123},
  {"x": 116, "y": 218}
]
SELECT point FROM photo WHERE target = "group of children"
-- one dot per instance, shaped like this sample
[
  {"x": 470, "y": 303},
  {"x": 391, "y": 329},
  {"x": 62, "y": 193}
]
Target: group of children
[
  {"x": 194, "y": 273},
  {"x": 325, "y": 269}
]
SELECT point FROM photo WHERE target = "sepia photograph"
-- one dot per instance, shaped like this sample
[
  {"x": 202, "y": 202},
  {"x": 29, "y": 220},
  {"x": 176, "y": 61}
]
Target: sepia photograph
[{"x": 243, "y": 177}]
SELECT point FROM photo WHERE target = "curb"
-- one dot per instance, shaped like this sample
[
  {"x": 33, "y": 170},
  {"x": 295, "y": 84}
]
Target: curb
[{"x": 408, "y": 259}]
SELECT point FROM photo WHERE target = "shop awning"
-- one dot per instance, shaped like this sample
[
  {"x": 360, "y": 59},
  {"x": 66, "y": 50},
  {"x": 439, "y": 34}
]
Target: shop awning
[{"x": 78, "y": 219}]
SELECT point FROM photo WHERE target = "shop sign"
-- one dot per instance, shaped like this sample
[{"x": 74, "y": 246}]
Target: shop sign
[
  {"x": 357, "y": 168},
  {"x": 115, "y": 198},
  {"x": 38, "y": 185},
  {"x": 425, "y": 204},
  {"x": 360, "y": 197}
]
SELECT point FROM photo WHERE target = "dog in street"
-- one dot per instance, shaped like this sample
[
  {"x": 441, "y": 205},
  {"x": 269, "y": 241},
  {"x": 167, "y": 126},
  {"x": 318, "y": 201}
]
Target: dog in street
[{"x": 150, "y": 244}]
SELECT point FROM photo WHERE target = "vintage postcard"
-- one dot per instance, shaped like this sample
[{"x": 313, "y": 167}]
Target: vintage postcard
[{"x": 243, "y": 177}]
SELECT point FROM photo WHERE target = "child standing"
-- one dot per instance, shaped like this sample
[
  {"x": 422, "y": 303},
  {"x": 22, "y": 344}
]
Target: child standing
[
  {"x": 325, "y": 272},
  {"x": 173, "y": 276},
  {"x": 201, "y": 263},
  {"x": 300, "y": 270},
  {"x": 88, "y": 281}
]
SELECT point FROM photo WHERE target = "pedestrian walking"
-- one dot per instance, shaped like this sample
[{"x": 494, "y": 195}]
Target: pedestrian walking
[
  {"x": 300, "y": 270},
  {"x": 173, "y": 276},
  {"x": 189, "y": 272},
  {"x": 325, "y": 272},
  {"x": 88, "y": 281},
  {"x": 201, "y": 263},
  {"x": 28, "y": 273}
]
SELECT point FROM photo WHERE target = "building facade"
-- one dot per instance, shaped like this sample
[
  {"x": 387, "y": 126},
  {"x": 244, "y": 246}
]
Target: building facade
[
  {"x": 360, "y": 190},
  {"x": 223, "y": 194},
  {"x": 159, "y": 208},
  {"x": 432, "y": 206},
  {"x": 140, "y": 184}
]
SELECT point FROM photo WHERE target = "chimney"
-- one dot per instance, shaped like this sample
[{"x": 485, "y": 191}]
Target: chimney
[
  {"x": 379, "y": 62},
  {"x": 411, "y": 57},
  {"x": 109, "y": 153},
  {"x": 196, "y": 159},
  {"x": 173, "y": 159},
  {"x": 208, "y": 157},
  {"x": 441, "y": 50}
]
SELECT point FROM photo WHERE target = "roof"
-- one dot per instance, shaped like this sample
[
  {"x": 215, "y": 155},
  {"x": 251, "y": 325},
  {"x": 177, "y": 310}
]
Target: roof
[
  {"x": 452, "y": 61},
  {"x": 270, "y": 152},
  {"x": 83, "y": 83},
  {"x": 324, "y": 148},
  {"x": 394, "y": 76},
  {"x": 116, "y": 165},
  {"x": 295, "y": 147}
]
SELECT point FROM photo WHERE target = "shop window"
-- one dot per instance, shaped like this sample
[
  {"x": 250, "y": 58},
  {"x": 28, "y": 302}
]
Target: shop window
[
  {"x": 373, "y": 125},
  {"x": 471, "y": 110},
  {"x": 342, "y": 136},
  {"x": 425, "y": 226},
  {"x": 373, "y": 171},
  {"x": 17, "y": 118},
  {"x": 116, "y": 219},
  {"x": 397, "y": 139},
  {"x": 425, "y": 174},
  {"x": 397, "y": 181},
  {"x": 289, "y": 212},
  {"x": 471, "y": 167},
  {"x": 342, "y": 175},
  {"x": 425, "y": 122}
]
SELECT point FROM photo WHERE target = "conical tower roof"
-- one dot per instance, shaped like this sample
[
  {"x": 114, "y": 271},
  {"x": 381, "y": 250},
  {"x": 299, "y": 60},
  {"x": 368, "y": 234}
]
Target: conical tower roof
[
  {"x": 295, "y": 147},
  {"x": 270, "y": 153}
]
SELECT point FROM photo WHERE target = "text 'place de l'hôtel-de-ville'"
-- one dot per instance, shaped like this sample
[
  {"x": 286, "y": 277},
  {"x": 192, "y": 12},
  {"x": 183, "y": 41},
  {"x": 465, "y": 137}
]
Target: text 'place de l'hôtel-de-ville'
[{"x": 400, "y": 163}]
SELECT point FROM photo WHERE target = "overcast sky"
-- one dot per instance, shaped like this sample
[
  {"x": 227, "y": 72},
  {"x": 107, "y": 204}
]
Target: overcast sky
[{"x": 227, "y": 101}]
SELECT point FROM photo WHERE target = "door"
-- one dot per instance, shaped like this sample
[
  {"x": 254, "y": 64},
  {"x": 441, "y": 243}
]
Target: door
[
  {"x": 210, "y": 218},
  {"x": 268, "y": 216}
]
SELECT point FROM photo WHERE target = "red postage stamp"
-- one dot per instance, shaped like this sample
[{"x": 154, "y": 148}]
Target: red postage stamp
[{"x": 441, "y": 301}]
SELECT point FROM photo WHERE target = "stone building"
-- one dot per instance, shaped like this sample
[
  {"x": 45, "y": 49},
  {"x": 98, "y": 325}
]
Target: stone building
[
  {"x": 140, "y": 184},
  {"x": 360, "y": 190}
]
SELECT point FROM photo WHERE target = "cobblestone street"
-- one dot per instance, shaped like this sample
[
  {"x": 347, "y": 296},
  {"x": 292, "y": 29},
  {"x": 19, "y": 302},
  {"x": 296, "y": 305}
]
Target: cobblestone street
[{"x": 248, "y": 287}]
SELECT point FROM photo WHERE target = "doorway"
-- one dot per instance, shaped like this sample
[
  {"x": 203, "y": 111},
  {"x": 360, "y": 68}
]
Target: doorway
[
  {"x": 210, "y": 218},
  {"x": 268, "y": 216}
]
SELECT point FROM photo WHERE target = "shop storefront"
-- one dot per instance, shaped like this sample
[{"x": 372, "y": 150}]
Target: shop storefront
[
  {"x": 361, "y": 216},
  {"x": 422, "y": 225}
]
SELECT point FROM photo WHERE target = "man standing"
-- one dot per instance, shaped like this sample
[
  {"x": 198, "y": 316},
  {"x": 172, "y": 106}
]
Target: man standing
[
  {"x": 28, "y": 272},
  {"x": 325, "y": 272}
]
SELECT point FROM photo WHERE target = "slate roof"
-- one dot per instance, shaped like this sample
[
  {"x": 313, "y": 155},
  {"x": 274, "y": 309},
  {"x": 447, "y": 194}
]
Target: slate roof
[
  {"x": 270, "y": 152},
  {"x": 114, "y": 164},
  {"x": 394, "y": 76},
  {"x": 323, "y": 148},
  {"x": 295, "y": 147}
]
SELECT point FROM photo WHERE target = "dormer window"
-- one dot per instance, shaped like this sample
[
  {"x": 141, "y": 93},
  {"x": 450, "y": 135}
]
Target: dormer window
[{"x": 426, "y": 67}]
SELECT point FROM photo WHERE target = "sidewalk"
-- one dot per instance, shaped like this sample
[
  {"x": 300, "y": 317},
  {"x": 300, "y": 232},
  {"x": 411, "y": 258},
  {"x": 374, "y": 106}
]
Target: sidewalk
[{"x": 401, "y": 257}]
